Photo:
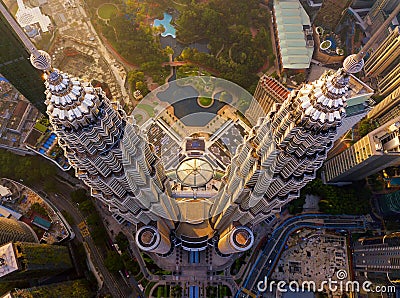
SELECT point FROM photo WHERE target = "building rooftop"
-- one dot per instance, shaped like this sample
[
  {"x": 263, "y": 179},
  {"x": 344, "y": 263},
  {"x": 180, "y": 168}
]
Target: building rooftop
[
  {"x": 42, "y": 223},
  {"x": 7, "y": 212},
  {"x": 4, "y": 191},
  {"x": 8, "y": 260},
  {"x": 290, "y": 19},
  {"x": 29, "y": 16},
  {"x": 275, "y": 86}
]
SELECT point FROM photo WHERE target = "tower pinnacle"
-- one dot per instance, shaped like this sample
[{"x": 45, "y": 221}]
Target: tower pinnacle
[
  {"x": 41, "y": 60},
  {"x": 354, "y": 63}
]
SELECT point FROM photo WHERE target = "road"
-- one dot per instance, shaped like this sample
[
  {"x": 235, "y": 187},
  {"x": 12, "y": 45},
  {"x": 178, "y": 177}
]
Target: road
[
  {"x": 104, "y": 52},
  {"x": 268, "y": 257},
  {"x": 117, "y": 288},
  {"x": 17, "y": 28}
]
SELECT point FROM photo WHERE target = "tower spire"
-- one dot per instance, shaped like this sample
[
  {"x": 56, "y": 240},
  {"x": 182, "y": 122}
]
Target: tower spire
[
  {"x": 374, "y": 37},
  {"x": 354, "y": 63}
]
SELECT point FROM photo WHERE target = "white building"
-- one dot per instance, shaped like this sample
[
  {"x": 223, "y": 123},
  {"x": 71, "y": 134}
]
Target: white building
[
  {"x": 4, "y": 192},
  {"x": 30, "y": 16}
]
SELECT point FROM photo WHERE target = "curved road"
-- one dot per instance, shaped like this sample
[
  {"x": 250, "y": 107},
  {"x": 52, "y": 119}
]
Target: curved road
[
  {"x": 268, "y": 257},
  {"x": 117, "y": 288}
]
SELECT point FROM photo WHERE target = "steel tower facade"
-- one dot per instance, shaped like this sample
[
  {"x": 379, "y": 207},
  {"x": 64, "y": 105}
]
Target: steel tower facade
[
  {"x": 279, "y": 156},
  {"x": 121, "y": 171}
]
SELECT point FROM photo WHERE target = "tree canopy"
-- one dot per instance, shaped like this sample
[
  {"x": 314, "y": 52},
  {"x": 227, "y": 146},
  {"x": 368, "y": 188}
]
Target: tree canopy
[{"x": 235, "y": 52}]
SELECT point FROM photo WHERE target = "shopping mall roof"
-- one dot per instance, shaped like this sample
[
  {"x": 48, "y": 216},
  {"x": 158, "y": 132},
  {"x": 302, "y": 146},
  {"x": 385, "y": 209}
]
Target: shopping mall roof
[{"x": 294, "y": 28}]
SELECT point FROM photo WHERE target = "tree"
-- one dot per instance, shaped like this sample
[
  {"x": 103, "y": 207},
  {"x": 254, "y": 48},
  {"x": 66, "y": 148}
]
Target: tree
[
  {"x": 122, "y": 241},
  {"x": 113, "y": 262},
  {"x": 364, "y": 127},
  {"x": 79, "y": 195},
  {"x": 86, "y": 207}
]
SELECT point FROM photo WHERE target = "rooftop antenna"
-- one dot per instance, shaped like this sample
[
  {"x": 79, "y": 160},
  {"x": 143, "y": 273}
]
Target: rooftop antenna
[{"x": 354, "y": 63}]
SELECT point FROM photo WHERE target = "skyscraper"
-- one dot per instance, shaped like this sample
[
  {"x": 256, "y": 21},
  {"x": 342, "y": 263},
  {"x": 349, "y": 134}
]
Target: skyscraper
[
  {"x": 268, "y": 92},
  {"x": 384, "y": 56},
  {"x": 384, "y": 63},
  {"x": 387, "y": 109},
  {"x": 376, "y": 151},
  {"x": 303, "y": 127},
  {"x": 108, "y": 154},
  {"x": 378, "y": 259},
  {"x": 14, "y": 62}
]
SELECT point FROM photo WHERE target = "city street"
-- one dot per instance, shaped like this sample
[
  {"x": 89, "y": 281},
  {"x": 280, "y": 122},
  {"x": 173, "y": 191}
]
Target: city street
[
  {"x": 116, "y": 287},
  {"x": 270, "y": 254}
]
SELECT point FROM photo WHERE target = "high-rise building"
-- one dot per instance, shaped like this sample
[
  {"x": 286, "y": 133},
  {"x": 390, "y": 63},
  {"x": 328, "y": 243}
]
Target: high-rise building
[
  {"x": 391, "y": 80},
  {"x": 14, "y": 62},
  {"x": 14, "y": 230},
  {"x": 387, "y": 109},
  {"x": 330, "y": 13},
  {"x": 374, "y": 152},
  {"x": 304, "y": 127},
  {"x": 384, "y": 63},
  {"x": 357, "y": 105},
  {"x": 384, "y": 56},
  {"x": 268, "y": 92},
  {"x": 378, "y": 14},
  {"x": 378, "y": 259},
  {"x": 181, "y": 203},
  {"x": 20, "y": 260},
  {"x": 106, "y": 150}
]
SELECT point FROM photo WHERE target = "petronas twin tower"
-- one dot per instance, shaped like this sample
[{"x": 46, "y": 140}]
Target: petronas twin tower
[{"x": 276, "y": 158}]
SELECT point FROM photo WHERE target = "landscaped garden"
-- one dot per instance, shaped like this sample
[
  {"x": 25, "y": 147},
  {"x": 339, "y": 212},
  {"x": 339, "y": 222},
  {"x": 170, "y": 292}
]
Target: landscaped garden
[
  {"x": 239, "y": 43},
  {"x": 330, "y": 42},
  {"x": 205, "y": 102},
  {"x": 107, "y": 10}
]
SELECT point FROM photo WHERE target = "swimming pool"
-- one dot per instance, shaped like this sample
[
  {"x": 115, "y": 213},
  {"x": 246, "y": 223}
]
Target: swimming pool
[
  {"x": 395, "y": 181},
  {"x": 166, "y": 23},
  {"x": 333, "y": 42}
]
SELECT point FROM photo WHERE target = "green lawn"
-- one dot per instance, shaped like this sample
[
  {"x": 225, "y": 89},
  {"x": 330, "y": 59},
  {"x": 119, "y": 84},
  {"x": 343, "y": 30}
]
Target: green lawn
[
  {"x": 107, "y": 10},
  {"x": 149, "y": 110},
  {"x": 205, "y": 101}
]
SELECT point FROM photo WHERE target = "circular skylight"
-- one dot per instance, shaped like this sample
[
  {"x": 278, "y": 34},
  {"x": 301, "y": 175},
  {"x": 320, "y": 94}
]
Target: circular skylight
[{"x": 194, "y": 172}]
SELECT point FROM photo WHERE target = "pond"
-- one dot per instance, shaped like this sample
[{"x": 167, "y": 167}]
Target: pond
[
  {"x": 188, "y": 109},
  {"x": 166, "y": 23}
]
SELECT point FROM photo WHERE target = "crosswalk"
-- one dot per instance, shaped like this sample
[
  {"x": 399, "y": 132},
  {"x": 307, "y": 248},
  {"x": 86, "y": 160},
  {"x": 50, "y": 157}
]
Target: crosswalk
[{"x": 84, "y": 229}]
